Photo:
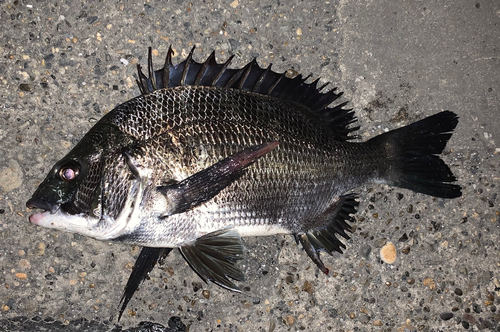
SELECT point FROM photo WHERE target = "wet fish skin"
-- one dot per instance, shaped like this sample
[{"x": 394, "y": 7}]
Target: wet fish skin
[
  {"x": 128, "y": 178},
  {"x": 282, "y": 193}
]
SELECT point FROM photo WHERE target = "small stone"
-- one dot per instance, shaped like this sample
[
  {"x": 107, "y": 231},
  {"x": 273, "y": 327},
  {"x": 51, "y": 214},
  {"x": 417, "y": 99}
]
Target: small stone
[
  {"x": 26, "y": 87},
  {"x": 24, "y": 263},
  {"x": 388, "y": 253},
  {"x": 333, "y": 313},
  {"x": 206, "y": 294},
  {"x": 379, "y": 243},
  {"x": 11, "y": 177},
  {"x": 410, "y": 281},
  {"x": 364, "y": 319},
  {"x": 468, "y": 318},
  {"x": 429, "y": 282},
  {"x": 40, "y": 249},
  {"x": 290, "y": 73},
  {"x": 352, "y": 315},
  {"x": 308, "y": 287},
  {"x": 446, "y": 316},
  {"x": 22, "y": 275},
  {"x": 73, "y": 282},
  {"x": 403, "y": 238},
  {"x": 365, "y": 251},
  {"x": 377, "y": 322},
  {"x": 465, "y": 324},
  {"x": 406, "y": 250},
  {"x": 458, "y": 291},
  {"x": 196, "y": 286},
  {"x": 289, "y": 320},
  {"x": 5, "y": 307}
]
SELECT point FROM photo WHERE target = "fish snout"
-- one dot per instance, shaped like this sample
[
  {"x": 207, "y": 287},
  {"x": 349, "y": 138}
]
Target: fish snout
[{"x": 37, "y": 203}]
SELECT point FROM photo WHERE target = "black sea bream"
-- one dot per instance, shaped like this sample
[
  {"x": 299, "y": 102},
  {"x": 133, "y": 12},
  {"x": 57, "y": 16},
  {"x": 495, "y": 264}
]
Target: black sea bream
[{"x": 208, "y": 154}]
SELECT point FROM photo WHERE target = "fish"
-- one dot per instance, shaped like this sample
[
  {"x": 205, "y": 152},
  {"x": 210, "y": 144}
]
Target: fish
[{"x": 209, "y": 154}]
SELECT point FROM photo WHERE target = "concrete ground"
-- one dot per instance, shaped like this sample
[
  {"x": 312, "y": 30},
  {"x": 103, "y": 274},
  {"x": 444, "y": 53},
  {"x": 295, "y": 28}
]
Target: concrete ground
[{"x": 66, "y": 63}]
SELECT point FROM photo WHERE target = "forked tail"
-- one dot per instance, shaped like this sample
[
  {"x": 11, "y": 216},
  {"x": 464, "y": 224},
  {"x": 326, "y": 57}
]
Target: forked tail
[{"x": 412, "y": 155}]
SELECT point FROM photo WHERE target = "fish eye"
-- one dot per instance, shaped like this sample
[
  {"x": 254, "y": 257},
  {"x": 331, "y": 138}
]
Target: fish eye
[{"x": 69, "y": 173}]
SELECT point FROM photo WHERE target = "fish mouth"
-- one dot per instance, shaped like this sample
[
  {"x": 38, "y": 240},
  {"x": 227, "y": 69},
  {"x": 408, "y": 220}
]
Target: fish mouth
[{"x": 47, "y": 207}]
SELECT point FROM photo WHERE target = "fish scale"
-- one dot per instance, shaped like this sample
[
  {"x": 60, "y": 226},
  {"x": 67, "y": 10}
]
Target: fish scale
[
  {"x": 208, "y": 154},
  {"x": 246, "y": 110},
  {"x": 248, "y": 115}
]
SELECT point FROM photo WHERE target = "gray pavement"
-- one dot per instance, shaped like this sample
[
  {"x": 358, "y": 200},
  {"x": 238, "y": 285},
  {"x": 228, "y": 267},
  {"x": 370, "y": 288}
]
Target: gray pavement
[{"x": 65, "y": 64}]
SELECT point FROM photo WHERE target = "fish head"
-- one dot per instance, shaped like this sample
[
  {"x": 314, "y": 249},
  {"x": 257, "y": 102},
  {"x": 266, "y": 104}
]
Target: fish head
[{"x": 70, "y": 196}]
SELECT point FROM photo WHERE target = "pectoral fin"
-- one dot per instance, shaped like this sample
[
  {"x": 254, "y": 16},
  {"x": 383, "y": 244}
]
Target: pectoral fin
[
  {"x": 324, "y": 238},
  {"x": 207, "y": 183},
  {"x": 213, "y": 257}
]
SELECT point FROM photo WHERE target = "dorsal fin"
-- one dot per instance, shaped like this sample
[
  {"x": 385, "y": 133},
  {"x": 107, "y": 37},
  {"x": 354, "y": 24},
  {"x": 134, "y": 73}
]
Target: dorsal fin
[{"x": 251, "y": 78}]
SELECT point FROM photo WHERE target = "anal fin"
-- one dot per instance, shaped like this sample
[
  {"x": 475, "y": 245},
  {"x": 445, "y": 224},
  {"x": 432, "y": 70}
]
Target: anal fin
[
  {"x": 213, "y": 257},
  {"x": 324, "y": 238}
]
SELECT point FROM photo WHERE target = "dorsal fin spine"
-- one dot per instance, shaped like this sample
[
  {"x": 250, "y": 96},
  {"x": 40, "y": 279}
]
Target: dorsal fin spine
[
  {"x": 165, "y": 77},
  {"x": 271, "y": 89},
  {"x": 185, "y": 70},
  {"x": 151, "y": 70},
  {"x": 237, "y": 76},
  {"x": 262, "y": 77},
  {"x": 323, "y": 86},
  {"x": 204, "y": 68},
  {"x": 141, "y": 82},
  {"x": 252, "y": 64},
  {"x": 221, "y": 72}
]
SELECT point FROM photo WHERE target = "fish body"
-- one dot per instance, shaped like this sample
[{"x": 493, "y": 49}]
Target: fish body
[
  {"x": 209, "y": 154},
  {"x": 283, "y": 192}
]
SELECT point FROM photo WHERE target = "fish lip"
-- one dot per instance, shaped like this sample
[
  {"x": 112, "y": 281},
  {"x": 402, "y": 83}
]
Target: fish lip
[{"x": 38, "y": 203}]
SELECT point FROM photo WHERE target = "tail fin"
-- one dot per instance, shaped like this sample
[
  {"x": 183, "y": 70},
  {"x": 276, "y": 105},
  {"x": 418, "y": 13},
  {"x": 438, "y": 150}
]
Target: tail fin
[{"x": 412, "y": 153}]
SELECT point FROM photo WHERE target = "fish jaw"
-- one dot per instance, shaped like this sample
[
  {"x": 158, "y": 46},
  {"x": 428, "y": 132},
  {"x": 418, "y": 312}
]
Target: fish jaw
[
  {"x": 59, "y": 220},
  {"x": 40, "y": 220}
]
